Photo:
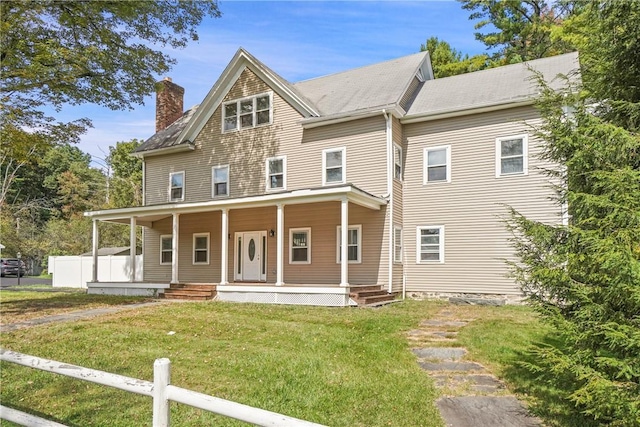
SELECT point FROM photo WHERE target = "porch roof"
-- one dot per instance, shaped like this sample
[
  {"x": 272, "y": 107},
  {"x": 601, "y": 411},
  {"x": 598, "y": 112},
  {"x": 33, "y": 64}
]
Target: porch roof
[{"x": 145, "y": 215}]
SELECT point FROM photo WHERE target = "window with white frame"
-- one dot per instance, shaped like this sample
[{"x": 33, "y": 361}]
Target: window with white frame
[
  {"x": 397, "y": 162},
  {"x": 176, "y": 187},
  {"x": 397, "y": 244},
  {"x": 247, "y": 112},
  {"x": 437, "y": 164},
  {"x": 299, "y": 245},
  {"x": 276, "y": 173},
  {"x": 333, "y": 166},
  {"x": 354, "y": 244},
  {"x": 430, "y": 244},
  {"x": 201, "y": 248},
  {"x": 166, "y": 249},
  {"x": 511, "y": 155},
  {"x": 220, "y": 181}
]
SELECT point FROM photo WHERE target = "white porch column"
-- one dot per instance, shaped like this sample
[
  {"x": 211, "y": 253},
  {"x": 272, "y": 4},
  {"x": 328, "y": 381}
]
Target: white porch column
[
  {"x": 94, "y": 274},
  {"x": 344, "y": 253},
  {"x": 132, "y": 248},
  {"x": 280, "y": 245},
  {"x": 174, "y": 247},
  {"x": 224, "y": 236}
]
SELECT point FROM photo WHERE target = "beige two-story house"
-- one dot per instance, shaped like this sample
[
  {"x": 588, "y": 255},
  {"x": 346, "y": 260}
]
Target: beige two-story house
[{"x": 379, "y": 179}]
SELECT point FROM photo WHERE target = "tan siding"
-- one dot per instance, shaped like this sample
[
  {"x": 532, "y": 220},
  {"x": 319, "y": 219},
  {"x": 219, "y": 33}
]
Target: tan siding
[
  {"x": 365, "y": 142},
  {"x": 471, "y": 206},
  {"x": 323, "y": 218},
  {"x": 153, "y": 271},
  {"x": 206, "y": 222},
  {"x": 259, "y": 219},
  {"x": 410, "y": 94}
]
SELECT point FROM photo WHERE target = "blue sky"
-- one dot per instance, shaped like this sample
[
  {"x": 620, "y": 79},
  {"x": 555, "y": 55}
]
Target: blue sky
[{"x": 296, "y": 39}]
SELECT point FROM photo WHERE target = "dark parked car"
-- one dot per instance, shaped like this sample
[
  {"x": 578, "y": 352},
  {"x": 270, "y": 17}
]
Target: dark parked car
[{"x": 12, "y": 267}]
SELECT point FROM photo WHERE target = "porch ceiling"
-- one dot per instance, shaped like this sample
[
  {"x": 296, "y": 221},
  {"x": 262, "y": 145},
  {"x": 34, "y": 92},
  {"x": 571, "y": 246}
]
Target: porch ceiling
[{"x": 145, "y": 215}]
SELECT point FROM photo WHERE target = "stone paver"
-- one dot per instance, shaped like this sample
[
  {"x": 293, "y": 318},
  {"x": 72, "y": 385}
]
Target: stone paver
[
  {"x": 479, "y": 411},
  {"x": 472, "y": 396}
]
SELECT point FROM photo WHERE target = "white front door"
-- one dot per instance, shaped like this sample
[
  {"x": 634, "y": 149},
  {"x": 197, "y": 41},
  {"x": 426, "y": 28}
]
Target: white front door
[{"x": 251, "y": 256}]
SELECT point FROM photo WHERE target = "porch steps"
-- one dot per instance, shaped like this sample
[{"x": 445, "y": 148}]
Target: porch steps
[
  {"x": 370, "y": 295},
  {"x": 191, "y": 292}
]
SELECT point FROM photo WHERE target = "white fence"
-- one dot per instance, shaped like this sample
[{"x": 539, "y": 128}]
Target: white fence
[
  {"x": 76, "y": 271},
  {"x": 160, "y": 390}
]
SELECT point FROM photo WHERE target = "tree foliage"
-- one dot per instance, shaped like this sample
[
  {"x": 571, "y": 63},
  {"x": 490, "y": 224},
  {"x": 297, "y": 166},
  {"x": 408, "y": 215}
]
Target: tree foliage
[
  {"x": 447, "y": 61},
  {"x": 126, "y": 180},
  {"x": 584, "y": 277},
  {"x": 521, "y": 30}
]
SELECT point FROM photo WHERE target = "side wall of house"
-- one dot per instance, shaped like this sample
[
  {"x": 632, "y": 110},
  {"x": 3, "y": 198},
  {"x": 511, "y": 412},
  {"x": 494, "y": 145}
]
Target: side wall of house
[
  {"x": 471, "y": 207},
  {"x": 398, "y": 206}
]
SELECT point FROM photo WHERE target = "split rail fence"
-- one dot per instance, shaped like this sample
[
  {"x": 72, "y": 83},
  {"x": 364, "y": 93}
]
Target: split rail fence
[{"x": 160, "y": 390}]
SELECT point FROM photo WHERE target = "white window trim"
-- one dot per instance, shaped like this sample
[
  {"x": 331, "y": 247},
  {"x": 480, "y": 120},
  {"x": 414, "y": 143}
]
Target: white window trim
[
  {"x": 525, "y": 155},
  {"x": 359, "y": 243},
  {"x": 324, "y": 165},
  {"x": 440, "y": 248},
  {"x": 237, "y": 102},
  {"x": 193, "y": 252},
  {"x": 401, "y": 163},
  {"x": 284, "y": 173},
  {"x": 297, "y": 230},
  {"x": 166, "y": 236},
  {"x": 183, "y": 186},
  {"x": 213, "y": 183},
  {"x": 397, "y": 260},
  {"x": 425, "y": 165}
]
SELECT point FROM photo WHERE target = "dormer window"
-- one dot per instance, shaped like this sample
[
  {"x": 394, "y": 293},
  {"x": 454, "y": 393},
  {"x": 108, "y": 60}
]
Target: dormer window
[{"x": 247, "y": 112}]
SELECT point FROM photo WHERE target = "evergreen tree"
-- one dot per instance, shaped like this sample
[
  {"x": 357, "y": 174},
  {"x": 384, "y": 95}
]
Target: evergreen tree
[{"x": 584, "y": 277}]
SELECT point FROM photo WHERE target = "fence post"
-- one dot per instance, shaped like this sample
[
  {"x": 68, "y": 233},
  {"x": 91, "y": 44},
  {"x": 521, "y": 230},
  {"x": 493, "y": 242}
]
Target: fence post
[{"x": 161, "y": 379}]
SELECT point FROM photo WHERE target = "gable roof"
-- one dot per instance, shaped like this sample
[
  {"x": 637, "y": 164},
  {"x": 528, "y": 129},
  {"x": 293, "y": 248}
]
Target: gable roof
[
  {"x": 375, "y": 85},
  {"x": 493, "y": 88}
]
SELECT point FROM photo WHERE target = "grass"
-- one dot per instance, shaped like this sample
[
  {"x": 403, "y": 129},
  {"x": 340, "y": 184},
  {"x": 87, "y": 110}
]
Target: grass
[
  {"x": 18, "y": 306},
  {"x": 339, "y": 367}
]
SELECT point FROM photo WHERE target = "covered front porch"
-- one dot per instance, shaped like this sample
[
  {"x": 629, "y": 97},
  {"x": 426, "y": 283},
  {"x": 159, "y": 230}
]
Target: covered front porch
[{"x": 266, "y": 255}]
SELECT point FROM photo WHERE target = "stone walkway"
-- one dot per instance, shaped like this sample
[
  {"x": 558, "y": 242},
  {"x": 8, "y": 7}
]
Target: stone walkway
[{"x": 470, "y": 395}]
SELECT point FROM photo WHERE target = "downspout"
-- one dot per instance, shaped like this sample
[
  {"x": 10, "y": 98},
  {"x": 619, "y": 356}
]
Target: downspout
[{"x": 389, "y": 133}]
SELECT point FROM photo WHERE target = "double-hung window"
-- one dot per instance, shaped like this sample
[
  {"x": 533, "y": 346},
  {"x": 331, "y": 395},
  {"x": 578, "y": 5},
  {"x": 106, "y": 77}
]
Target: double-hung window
[
  {"x": 201, "y": 248},
  {"x": 176, "y": 187},
  {"x": 354, "y": 244},
  {"x": 247, "y": 112},
  {"x": 166, "y": 249},
  {"x": 511, "y": 156},
  {"x": 300, "y": 246},
  {"x": 334, "y": 162},
  {"x": 437, "y": 164},
  {"x": 397, "y": 244},
  {"x": 276, "y": 173},
  {"x": 430, "y": 244},
  {"x": 220, "y": 181},
  {"x": 397, "y": 162}
]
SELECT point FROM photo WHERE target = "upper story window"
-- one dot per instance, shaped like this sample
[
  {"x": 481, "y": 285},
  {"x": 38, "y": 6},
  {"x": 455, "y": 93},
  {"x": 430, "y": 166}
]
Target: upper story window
[
  {"x": 276, "y": 173},
  {"x": 437, "y": 164},
  {"x": 247, "y": 112},
  {"x": 176, "y": 187},
  {"x": 334, "y": 162},
  {"x": 220, "y": 181},
  {"x": 430, "y": 244},
  {"x": 166, "y": 249},
  {"x": 354, "y": 244},
  {"x": 397, "y": 162},
  {"x": 511, "y": 155},
  {"x": 300, "y": 246}
]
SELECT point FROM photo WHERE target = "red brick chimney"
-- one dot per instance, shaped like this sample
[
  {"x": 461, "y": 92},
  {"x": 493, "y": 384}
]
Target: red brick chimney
[{"x": 169, "y": 103}]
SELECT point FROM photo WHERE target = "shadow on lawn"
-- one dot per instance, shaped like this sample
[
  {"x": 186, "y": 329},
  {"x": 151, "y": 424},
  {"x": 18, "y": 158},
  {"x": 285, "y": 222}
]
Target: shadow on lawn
[{"x": 548, "y": 392}]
